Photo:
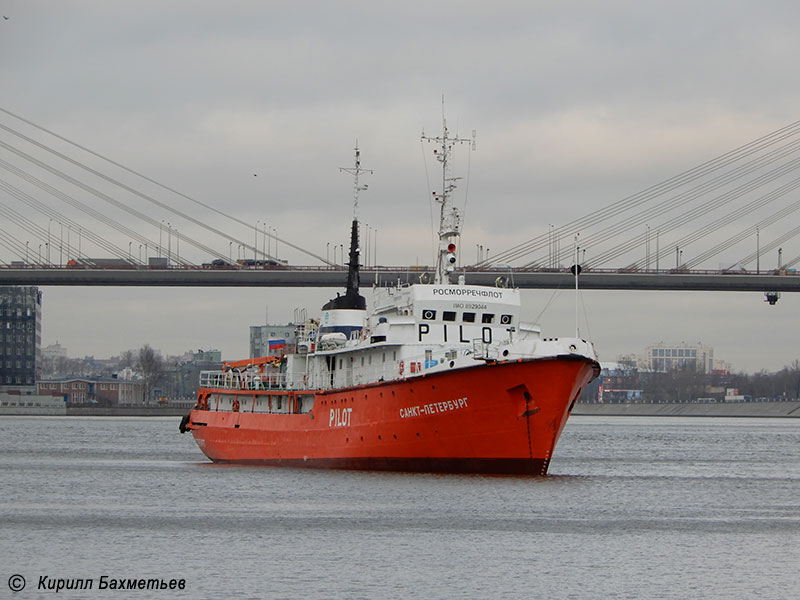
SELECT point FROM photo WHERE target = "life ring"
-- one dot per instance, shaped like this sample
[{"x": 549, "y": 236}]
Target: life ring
[
  {"x": 236, "y": 405},
  {"x": 401, "y": 367}
]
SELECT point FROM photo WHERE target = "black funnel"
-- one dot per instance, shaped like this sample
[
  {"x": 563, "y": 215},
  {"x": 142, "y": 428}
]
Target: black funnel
[{"x": 351, "y": 299}]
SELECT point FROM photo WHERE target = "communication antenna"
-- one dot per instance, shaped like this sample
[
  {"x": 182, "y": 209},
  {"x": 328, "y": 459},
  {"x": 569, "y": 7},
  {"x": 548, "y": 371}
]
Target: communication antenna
[
  {"x": 449, "y": 218},
  {"x": 355, "y": 171}
]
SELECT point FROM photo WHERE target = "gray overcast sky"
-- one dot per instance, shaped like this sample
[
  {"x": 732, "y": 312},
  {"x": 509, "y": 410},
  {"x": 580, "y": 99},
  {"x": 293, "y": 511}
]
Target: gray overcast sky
[{"x": 577, "y": 104}]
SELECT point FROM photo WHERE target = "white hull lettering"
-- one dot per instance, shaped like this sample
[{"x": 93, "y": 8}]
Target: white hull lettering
[
  {"x": 465, "y": 292},
  {"x": 340, "y": 417},
  {"x": 433, "y": 408}
]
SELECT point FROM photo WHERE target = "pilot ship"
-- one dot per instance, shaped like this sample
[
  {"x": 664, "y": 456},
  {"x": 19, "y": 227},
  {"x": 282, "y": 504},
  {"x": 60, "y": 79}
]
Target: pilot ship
[{"x": 433, "y": 376}]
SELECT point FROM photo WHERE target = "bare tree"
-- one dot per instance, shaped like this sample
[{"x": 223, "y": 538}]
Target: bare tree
[
  {"x": 151, "y": 366},
  {"x": 127, "y": 359}
]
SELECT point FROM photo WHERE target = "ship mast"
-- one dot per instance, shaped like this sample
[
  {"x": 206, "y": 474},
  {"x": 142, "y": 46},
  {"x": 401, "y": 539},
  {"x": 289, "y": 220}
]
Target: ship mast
[
  {"x": 355, "y": 171},
  {"x": 449, "y": 217},
  {"x": 352, "y": 299}
]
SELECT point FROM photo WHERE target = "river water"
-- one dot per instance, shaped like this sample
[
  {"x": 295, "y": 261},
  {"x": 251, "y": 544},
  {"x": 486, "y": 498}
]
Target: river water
[{"x": 634, "y": 507}]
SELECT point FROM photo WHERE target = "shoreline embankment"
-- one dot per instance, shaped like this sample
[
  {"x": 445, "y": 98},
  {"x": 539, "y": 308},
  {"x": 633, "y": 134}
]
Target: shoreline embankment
[{"x": 719, "y": 409}]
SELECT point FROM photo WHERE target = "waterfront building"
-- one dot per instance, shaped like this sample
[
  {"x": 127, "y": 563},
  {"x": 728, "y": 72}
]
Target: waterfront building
[
  {"x": 54, "y": 352},
  {"x": 105, "y": 391},
  {"x": 20, "y": 337},
  {"x": 214, "y": 356},
  {"x": 182, "y": 379},
  {"x": 663, "y": 357}
]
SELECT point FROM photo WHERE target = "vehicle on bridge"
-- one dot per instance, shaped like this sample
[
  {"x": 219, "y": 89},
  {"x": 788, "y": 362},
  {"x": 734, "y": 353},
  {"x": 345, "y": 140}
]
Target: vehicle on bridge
[
  {"x": 101, "y": 263},
  {"x": 218, "y": 263},
  {"x": 268, "y": 263}
]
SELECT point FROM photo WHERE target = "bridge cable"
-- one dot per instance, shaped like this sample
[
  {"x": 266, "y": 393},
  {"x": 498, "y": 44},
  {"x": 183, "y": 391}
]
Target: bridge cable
[
  {"x": 59, "y": 217},
  {"x": 698, "y": 211},
  {"x": 161, "y": 185},
  {"x": 539, "y": 242}
]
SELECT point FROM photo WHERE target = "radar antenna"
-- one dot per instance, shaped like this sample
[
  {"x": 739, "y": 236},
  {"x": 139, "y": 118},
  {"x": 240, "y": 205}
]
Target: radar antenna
[
  {"x": 449, "y": 217},
  {"x": 355, "y": 171}
]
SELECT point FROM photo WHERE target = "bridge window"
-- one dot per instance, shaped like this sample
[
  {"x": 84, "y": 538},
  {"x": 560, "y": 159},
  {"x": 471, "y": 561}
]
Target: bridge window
[
  {"x": 487, "y": 318},
  {"x": 448, "y": 315},
  {"x": 469, "y": 317},
  {"x": 505, "y": 319},
  {"x": 429, "y": 314}
]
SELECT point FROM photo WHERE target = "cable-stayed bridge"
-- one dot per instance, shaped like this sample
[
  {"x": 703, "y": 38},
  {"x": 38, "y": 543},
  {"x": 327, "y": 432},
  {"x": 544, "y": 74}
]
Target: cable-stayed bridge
[{"x": 71, "y": 216}]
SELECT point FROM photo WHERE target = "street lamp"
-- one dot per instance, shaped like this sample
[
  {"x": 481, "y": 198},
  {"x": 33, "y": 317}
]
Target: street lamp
[
  {"x": 255, "y": 243},
  {"x": 657, "y": 250},
  {"x": 366, "y": 245},
  {"x": 758, "y": 252}
]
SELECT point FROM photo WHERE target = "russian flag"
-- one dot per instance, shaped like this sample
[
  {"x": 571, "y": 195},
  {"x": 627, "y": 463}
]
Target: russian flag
[{"x": 277, "y": 344}]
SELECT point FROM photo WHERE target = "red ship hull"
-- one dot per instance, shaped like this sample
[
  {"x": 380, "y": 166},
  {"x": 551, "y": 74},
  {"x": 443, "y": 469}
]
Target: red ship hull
[{"x": 501, "y": 417}]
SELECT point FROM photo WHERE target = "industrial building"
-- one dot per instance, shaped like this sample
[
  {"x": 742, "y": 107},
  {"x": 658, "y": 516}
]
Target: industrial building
[{"x": 272, "y": 340}]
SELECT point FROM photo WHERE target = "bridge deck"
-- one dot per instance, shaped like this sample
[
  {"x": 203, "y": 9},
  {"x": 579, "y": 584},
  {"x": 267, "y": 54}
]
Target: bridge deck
[{"x": 328, "y": 277}]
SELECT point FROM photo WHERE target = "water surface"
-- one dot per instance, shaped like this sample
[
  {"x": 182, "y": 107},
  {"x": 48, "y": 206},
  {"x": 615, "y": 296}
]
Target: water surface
[{"x": 634, "y": 507}]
